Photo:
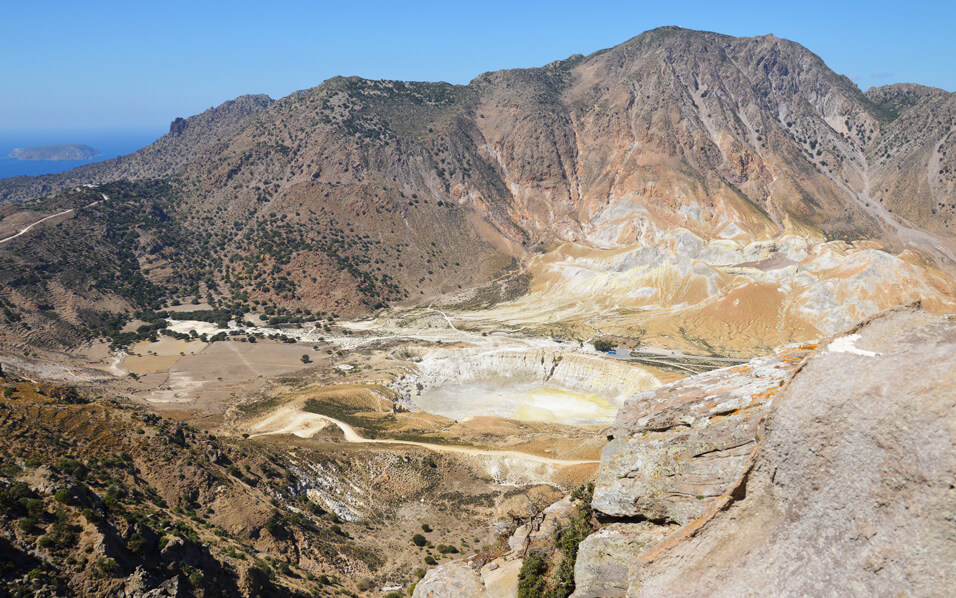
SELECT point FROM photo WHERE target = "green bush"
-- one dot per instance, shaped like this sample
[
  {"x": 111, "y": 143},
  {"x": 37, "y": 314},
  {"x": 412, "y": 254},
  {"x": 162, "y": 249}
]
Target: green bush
[
  {"x": 107, "y": 565},
  {"x": 73, "y": 468},
  {"x": 603, "y": 345},
  {"x": 273, "y": 523},
  {"x": 63, "y": 495},
  {"x": 419, "y": 540},
  {"x": 531, "y": 581},
  {"x": 27, "y": 524},
  {"x": 136, "y": 543}
]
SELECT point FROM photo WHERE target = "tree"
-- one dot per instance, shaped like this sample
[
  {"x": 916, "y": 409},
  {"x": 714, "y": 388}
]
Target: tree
[
  {"x": 603, "y": 345},
  {"x": 305, "y": 359}
]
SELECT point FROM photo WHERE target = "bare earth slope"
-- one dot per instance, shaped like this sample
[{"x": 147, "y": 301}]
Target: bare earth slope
[
  {"x": 759, "y": 123},
  {"x": 850, "y": 492},
  {"x": 675, "y": 177}
]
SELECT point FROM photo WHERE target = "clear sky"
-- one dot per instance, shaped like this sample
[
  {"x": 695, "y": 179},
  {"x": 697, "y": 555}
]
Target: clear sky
[{"x": 126, "y": 65}]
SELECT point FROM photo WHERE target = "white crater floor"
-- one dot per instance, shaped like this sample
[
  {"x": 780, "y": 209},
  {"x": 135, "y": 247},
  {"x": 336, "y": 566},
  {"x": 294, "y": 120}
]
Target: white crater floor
[{"x": 524, "y": 401}]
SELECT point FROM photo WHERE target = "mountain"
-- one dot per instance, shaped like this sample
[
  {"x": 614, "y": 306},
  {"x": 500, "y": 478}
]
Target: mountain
[
  {"x": 162, "y": 158},
  {"x": 313, "y": 345},
  {"x": 55, "y": 152},
  {"x": 680, "y": 168}
]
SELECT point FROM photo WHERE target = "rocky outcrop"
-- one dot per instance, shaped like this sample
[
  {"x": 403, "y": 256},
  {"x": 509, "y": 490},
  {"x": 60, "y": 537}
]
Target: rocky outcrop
[
  {"x": 850, "y": 492},
  {"x": 177, "y": 126},
  {"x": 453, "y": 579},
  {"x": 678, "y": 450},
  {"x": 477, "y": 577}
]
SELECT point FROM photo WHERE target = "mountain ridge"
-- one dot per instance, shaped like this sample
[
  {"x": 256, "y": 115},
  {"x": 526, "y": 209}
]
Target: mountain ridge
[{"x": 676, "y": 141}]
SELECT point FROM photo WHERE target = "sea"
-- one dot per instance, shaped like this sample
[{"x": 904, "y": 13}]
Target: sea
[{"x": 110, "y": 143}]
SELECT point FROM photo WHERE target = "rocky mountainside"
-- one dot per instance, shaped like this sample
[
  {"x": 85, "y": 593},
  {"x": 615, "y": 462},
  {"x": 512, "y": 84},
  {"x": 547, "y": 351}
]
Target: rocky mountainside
[
  {"x": 101, "y": 497},
  {"x": 844, "y": 486},
  {"x": 186, "y": 140},
  {"x": 701, "y": 171},
  {"x": 756, "y": 120}
]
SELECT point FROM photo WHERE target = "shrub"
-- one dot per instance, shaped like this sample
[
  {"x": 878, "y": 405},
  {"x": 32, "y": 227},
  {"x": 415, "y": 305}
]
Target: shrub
[
  {"x": 63, "y": 495},
  {"x": 426, "y": 528},
  {"x": 429, "y": 560},
  {"x": 419, "y": 540},
  {"x": 73, "y": 468},
  {"x": 603, "y": 345},
  {"x": 35, "y": 507},
  {"x": 27, "y": 524},
  {"x": 91, "y": 515},
  {"x": 531, "y": 582},
  {"x": 136, "y": 543},
  {"x": 106, "y": 565}
]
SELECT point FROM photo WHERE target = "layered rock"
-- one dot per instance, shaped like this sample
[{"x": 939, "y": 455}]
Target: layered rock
[
  {"x": 850, "y": 492},
  {"x": 610, "y": 379},
  {"x": 678, "y": 450}
]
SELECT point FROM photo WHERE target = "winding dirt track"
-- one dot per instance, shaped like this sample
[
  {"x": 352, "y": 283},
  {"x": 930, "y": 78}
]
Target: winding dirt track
[
  {"x": 351, "y": 435},
  {"x": 27, "y": 228}
]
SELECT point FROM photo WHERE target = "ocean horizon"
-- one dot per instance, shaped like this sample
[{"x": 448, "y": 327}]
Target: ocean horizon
[{"x": 110, "y": 144}]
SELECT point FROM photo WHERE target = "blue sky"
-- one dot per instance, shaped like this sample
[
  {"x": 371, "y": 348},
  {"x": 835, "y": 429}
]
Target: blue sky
[{"x": 137, "y": 65}]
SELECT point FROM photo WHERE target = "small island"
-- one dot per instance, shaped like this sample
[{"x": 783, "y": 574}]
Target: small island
[{"x": 73, "y": 151}]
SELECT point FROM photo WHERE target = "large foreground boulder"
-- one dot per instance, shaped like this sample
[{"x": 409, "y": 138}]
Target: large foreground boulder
[
  {"x": 852, "y": 491},
  {"x": 677, "y": 451}
]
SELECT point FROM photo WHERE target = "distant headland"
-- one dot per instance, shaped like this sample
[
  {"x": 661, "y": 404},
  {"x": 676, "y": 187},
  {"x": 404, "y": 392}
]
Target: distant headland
[{"x": 73, "y": 151}]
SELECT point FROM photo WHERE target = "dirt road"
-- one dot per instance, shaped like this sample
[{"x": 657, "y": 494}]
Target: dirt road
[
  {"x": 352, "y": 436},
  {"x": 27, "y": 228}
]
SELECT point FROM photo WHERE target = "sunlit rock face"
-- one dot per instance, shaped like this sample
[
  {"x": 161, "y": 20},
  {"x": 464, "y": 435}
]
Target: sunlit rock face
[
  {"x": 718, "y": 481},
  {"x": 741, "y": 296},
  {"x": 677, "y": 450},
  {"x": 532, "y": 384}
]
